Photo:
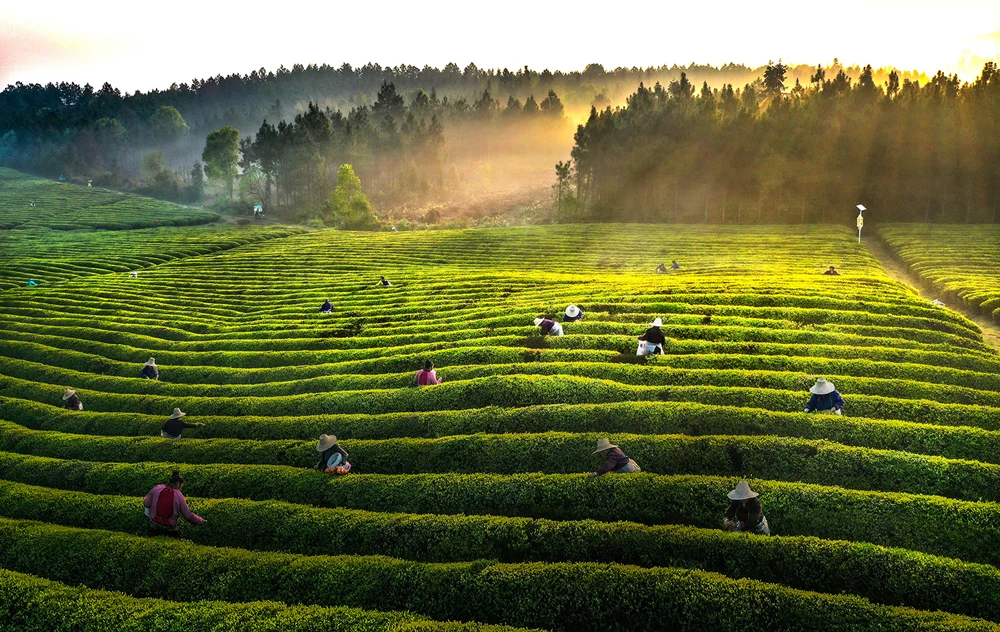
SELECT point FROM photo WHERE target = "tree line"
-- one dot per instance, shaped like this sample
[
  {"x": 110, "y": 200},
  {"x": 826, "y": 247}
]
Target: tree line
[{"x": 806, "y": 152}]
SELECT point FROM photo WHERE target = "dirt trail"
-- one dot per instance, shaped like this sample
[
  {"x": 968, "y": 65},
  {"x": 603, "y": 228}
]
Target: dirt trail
[{"x": 898, "y": 271}]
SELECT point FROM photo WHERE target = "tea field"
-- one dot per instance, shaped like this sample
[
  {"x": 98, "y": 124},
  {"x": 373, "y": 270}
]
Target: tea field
[
  {"x": 960, "y": 261},
  {"x": 469, "y": 506}
]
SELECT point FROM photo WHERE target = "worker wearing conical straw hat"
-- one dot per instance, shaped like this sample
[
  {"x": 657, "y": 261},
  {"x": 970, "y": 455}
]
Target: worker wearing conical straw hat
[
  {"x": 615, "y": 460},
  {"x": 175, "y": 426},
  {"x": 71, "y": 400},
  {"x": 548, "y": 326},
  {"x": 332, "y": 457},
  {"x": 825, "y": 398},
  {"x": 150, "y": 370},
  {"x": 573, "y": 314},
  {"x": 653, "y": 340},
  {"x": 745, "y": 512}
]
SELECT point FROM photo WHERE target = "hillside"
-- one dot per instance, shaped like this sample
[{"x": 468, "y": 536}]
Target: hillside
[{"x": 469, "y": 501}]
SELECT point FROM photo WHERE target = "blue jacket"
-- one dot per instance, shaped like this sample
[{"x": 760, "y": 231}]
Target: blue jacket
[
  {"x": 149, "y": 372},
  {"x": 825, "y": 402}
]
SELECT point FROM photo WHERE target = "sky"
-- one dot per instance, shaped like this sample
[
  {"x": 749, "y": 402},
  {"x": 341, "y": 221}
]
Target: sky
[{"x": 143, "y": 45}]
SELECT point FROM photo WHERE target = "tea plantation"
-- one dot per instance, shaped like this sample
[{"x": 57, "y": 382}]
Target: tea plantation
[
  {"x": 959, "y": 261},
  {"x": 469, "y": 506}
]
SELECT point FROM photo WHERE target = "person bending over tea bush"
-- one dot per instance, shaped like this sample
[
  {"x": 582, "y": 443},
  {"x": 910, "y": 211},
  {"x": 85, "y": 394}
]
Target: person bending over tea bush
[
  {"x": 164, "y": 504},
  {"x": 72, "y": 401},
  {"x": 745, "y": 512},
  {"x": 653, "y": 340},
  {"x": 174, "y": 426},
  {"x": 549, "y": 326},
  {"x": 824, "y": 397},
  {"x": 573, "y": 314},
  {"x": 427, "y": 376},
  {"x": 332, "y": 458},
  {"x": 149, "y": 370},
  {"x": 615, "y": 460}
]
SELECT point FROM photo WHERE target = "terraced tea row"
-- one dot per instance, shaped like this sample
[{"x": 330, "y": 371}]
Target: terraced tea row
[
  {"x": 48, "y": 256},
  {"x": 959, "y": 261},
  {"x": 30, "y": 202},
  {"x": 490, "y": 464}
]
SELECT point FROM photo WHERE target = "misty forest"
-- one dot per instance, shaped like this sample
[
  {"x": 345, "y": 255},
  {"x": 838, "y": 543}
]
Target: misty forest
[{"x": 374, "y": 146}]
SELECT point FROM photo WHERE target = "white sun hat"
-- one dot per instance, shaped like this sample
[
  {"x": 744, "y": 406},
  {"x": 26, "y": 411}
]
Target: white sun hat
[
  {"x": 151, "y": 362},
  {"x": 69, "y": 392},
  {"x": 326, "y": 442},
  {"x": 657, "y": 322},
  {"x": 572, "y": 311},
  {"x": 177, "y": 414},
  {"x": 822, "y": 387},
  {"x": 538, "y": 321},
  {"x": 742, "y": 492},
  {"x": 604, "y": 444}
]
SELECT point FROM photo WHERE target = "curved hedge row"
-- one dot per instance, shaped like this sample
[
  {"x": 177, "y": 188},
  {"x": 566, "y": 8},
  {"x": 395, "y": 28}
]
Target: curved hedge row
[
  {"x": 582, "y": 596},
  {"x": 958, "y": 442},
  {"x": 931, "y": 524},
  {"x": 775, "y": 458},
  {"x": 626, "y": 374},
  {"x": 480, "y": 355},
  {"x": 508, "y": 391},
  {"x": 29, "y": 604},
  {"x": 918, "y": 580},
  {"x": 608, "y": 333},
  {"x": 937, "y": 355}
]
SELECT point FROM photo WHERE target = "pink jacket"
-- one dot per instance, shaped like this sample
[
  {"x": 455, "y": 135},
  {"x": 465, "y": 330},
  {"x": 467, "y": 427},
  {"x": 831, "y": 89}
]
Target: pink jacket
[
  {"x": 180, "y": 508},
  {"x": 425, "y": 378}
]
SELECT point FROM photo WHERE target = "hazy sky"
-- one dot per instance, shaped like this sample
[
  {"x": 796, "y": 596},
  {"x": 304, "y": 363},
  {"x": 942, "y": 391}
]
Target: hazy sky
[{"x": 141, "y": 45}]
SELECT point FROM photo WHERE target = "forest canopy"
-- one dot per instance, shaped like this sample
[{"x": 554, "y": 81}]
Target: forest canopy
[{"x": 774, "y": 152}]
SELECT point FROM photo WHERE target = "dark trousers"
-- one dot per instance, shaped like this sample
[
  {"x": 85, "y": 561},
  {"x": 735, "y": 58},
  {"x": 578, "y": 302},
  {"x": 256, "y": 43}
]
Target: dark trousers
[{"x": 159, "y": 529}]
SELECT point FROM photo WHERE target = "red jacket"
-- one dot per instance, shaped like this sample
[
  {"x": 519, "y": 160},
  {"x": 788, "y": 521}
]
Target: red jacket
[{"x": 166, "y": 504}]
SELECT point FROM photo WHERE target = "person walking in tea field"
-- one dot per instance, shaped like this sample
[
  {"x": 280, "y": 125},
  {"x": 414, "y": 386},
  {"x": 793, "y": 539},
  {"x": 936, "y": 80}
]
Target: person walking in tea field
[
  {"x": 831, "y": 271},
  {"x": 165, "y": 504},
  {"x": 427, "y": 376},
  {"x": 573, "y": 314},
  {"x": 615, "y": 460},
  {"x": 661, "y": 269},
  {"x": 174, "y": 426},
  {"x": 653, "y": 340},
  {"x": 385, "y": 282},
  {"x": 824, "y": 397},
  {"x": 745, "y": 512},
  {"x": 549, "y": 326},
  {"x": 71, "y": 400},
  {"x": 149, "y": 370},
  {"x": 332, "y": 457},
  {"x": 326, "y": 308}
]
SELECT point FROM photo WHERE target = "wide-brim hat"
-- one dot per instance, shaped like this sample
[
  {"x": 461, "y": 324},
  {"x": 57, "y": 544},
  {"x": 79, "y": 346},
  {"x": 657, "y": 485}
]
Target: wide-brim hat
[
  {"x": 604, "y": 444},
  {"x": 69, "y": 392},
  {"x": 572, "y": 311},
  {"x": 151, "y": 362},
  {"x": 657, "y": 322},
  {"x": 822, "y": 387},
  {"x": 538, "y": 321},
  {"x": 325, "y": 442},
  {"x": 177, "y": 414},
  {"x": 742, "y": 492}
]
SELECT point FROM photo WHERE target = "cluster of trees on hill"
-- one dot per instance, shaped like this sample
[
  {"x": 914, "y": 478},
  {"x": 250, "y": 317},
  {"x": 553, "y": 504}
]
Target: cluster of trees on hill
[
  {"x": 802, "y": 153},
  {"x": 500, "y": 126}
]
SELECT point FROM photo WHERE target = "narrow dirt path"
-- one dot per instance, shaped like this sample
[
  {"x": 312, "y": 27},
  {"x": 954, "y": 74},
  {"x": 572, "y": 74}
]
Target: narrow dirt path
[{"x": 898, "y": 271}]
